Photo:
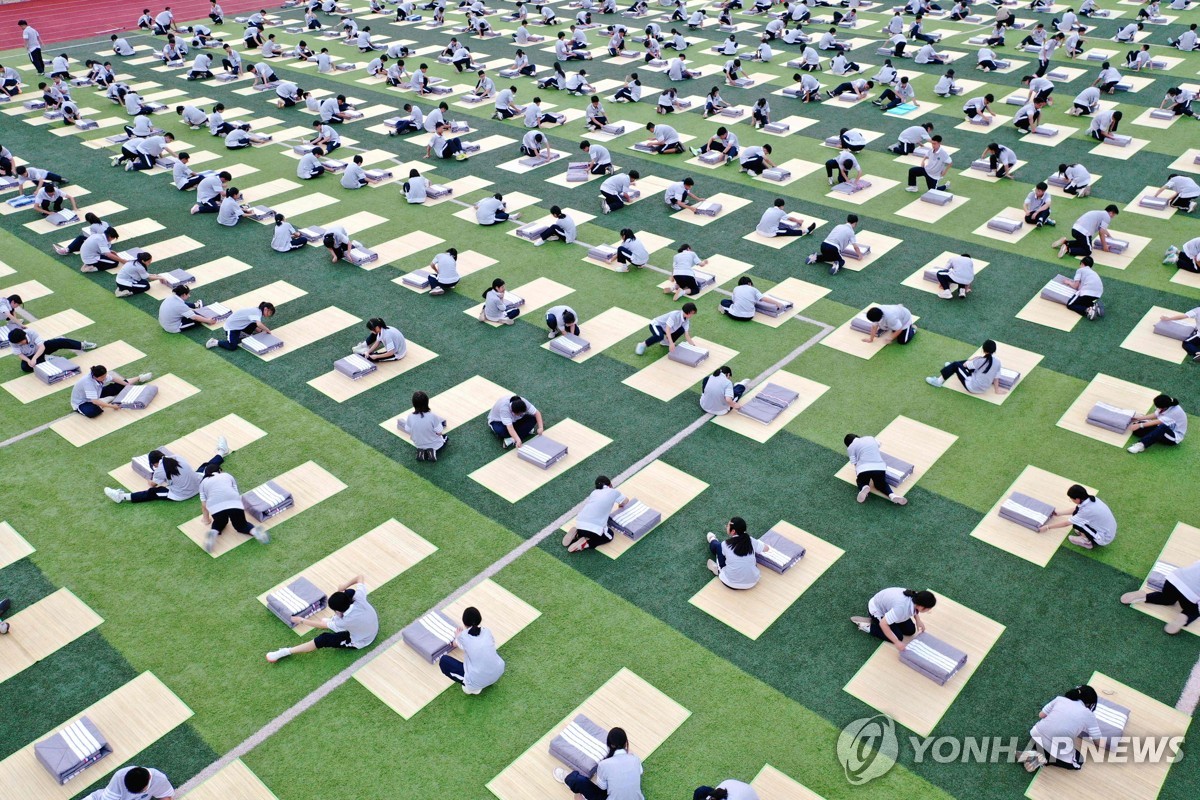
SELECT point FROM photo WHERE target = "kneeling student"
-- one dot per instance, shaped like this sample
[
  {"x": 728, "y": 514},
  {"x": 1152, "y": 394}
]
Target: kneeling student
[
  {"x": 383, "y": 343},
  {"x": 221, "y": 505},
  {"x": 894, "y": 319},
  {"x": 744, "y": 300},
  {"x": 591, "y": 525},
  {"x": 1181, "y": 588},
  {"x": 562, "y": 320},
  {"x": 354, "y": 624},
  {"x": 242, "y": 323},
  {"x": 513, "y": 419},
  {"x": 1060, "y": 722},
  {"x": 735, "y": 564},
  {"x": 895, "y": 614},
  {"x": 481, "y": 666},
  {"x": 427, "y": 429},
  {"x": 869, "y": 468},
  {"x": 719, "y": 394},
  {"x": 134, "y": 277},
  {"x": 669, "y": 328},
  {"x": 683, "y": 273},
  {"x": 1090, "y": 518},
  {"x": 171, "y": 477}
]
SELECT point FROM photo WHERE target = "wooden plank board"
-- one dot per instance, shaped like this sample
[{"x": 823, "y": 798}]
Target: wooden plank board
[
  {"x": 197, "y": 447},
  {"x": 42, "y": 629},
  {"x": 79, "y": 430},
  {"x": 810, "y": 391},
  {"x": 1016, "y": 539},
  {"x": 457, "y": 405},
  {"x": 513, "y": 478}
]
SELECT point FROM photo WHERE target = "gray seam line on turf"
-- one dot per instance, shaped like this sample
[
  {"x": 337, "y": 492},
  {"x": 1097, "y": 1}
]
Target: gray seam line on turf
[
  {"x": 27, "y": 434},
  {"x": 1191, "y": 692},
  {"x": 313, "y": 697}
]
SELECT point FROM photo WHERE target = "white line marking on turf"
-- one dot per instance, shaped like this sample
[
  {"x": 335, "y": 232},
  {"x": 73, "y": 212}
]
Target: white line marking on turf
[
  {"x": 316, "y": 695},
  {"x": 27, "y": 434},
  {"x": 1191, "y": 692}
]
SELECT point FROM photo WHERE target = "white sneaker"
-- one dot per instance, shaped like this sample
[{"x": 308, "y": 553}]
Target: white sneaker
[
  {"x": 1136, "y": 447},
  {"x": 539, "y": 242},
  {"x": 911, "y": 189},
  {"x": 898, "y": 499},
  {"x": 275, "y": 655},
  {"x": 471, "y": 691},
  {"x": 863, "y": 493},
  {"x": 438, "y": 291},
  {"x": 865, "y": 627},
  {"x": 223, "y": 446},
  {"x": 62, "y": 251},
  {"x": 210, "y": 540},
  {"x": 508, "y": 441},
  {"x": 123, "y": 293},
  {"x": 962, "y": 291},
  {"x": 640, "y": 349},
  {"x": 945, "y": 294},
  {"x": 145, "y": 377},
  {"x": 516, "y": 215},
  {"x": 360, "y": 349},
  {"x": 88, "y": 345},
  {"x": 935, "y": 381},
  {"x": 116, "y": 495},
  {"x": 210, "y": 344},
  {"x": 260, "y": 534},
  {"x": 551, "y": 334},
  {"x": 560, "y": 775},
  {"x": 88, "y": 268},
  {"x": 710, "y": 537}
]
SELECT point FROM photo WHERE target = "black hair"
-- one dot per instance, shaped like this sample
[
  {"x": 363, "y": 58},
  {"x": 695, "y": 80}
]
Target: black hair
[
  {"x": 852, "y": 219},
  {"x": 517, "y": 406},
  {"x": 603, "y": 482},
  {"x": 265, "y": 306},
  {"x": 1084, "y": 694},
  {"x": 874, "y": 313},
  {"x": 568, "y": 318},
  {"x": 211, "y": 469},
  {"x": 1080, "y": 493},
  {"x": 340, "y": 601},
  {"x": 420, "y": 402},
  {"x": 471, "y": 619},
  {"x": 496, "y": 284},
  {"x": 616, "y": 740},
  {"x": 137, "y": 779},
  {"x": 921, "y": 597},
  {"x": 1165, "y": 401},
  {"x": 688, "y": 308},
  {"x": 375, "y": 322},
  {"x": 98, "y": 371}
]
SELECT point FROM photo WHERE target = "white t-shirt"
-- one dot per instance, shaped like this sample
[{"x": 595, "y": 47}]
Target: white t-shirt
[
  {"x": 483, "y": 666},
  {"x": 159, "y": 787},
  {"x": 597, "y": 509},
  {"x": 891, "y": 606},
  {"x": 740, "y": 572},
  {"x": 717, "y": 390},
  {"x": 1095, "y": 517},
  {"x": 744, "y": 299},
  {"x": 360, "y": 620},
  {"x": 220, "y": 493}
]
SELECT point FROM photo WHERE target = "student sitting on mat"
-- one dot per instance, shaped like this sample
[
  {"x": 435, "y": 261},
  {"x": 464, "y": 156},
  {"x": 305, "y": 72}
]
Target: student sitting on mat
[
  {"x": 1037, "y": 206},
  {"x": 618, "y": 775},
  {"x": 483, "y": 665},
  {"x": 445, "y": 272},
  {"x": 719, "y": 394},
  {"x": 134, "y": 783},
  {"x": 492, "y": 211},
  {"x": 735, "y": 564},
  {"x": 1187, "y": 257},
  {"x": 1090, "y": 518},
  {"x": 495, "y": 309},
  {"x": 777, "y": 221},
  {"x": 416, "y": 188},
  {"x": 514, "y": 419},
  {"x": 591, "y": 525},
  {"x": 354, "y": 624},
  {"x": 1180, "y": 588},
  {"x": 563, "y": 227},
  {"x": 89, "y": 392},
  {"x": 242, "y": 323},
  {"x": 683, "y": 273},
  {"x": 1166, "y": 425},
  {"x": 869, "y": 468},
  {"x": 1191, "y": 345},
  {"x": 284, "y": 237},
  {"x": 221, "y": 505},
  {"x": 744, "y": 299},
  {"x": 977, "y": 375},
  {"x": 562, "y": 320},
  {"x": 669, "y": 328},
  {"x": 31, "y": 350},
  {"x": 177, "y": 313},
  {"x": 894, "y": 319},
  {"x": 428, "y": 430},
  {"x": 382, "y": 343},
  {"x": 134, "y": 277},
  {"x": 895, "y": 614},
  {"x": 232, "y": 210},
  {"x": 171, "y": 477},
  {"x": 726, "y": 790},
  {"x": 1060, "y": 722}
]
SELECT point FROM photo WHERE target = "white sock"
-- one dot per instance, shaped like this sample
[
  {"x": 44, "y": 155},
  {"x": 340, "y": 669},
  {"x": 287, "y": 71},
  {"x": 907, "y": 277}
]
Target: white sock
[{"x": 126, "y": 496}]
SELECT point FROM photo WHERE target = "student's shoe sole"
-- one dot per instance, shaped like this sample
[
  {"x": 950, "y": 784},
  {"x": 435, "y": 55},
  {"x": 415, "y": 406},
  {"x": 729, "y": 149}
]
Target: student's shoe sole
[{"x": 863, "y": 493}]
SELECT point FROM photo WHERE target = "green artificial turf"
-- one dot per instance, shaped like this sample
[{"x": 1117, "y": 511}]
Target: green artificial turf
[{"x": 195, "y": 623}]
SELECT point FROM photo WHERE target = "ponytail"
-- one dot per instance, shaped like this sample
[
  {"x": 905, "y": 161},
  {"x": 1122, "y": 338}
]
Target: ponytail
[
  {"x": 723, "y": 370},
  {"x": 278, "y": 220},
  {"x": 170, "y": 467},
  {"x": 496, "y": 284},
  {"x": 472, "y": 619},
  {"x": 1165, "y": 401},
  {"x": 921, "y": 597},
  {"x": 616, "y": 740},
  {"x": 989, "y": 349},
  {"x": 1084, "y": 694}
]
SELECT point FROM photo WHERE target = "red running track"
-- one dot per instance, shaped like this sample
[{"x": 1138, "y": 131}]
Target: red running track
[{"x": 63, "y": 20}]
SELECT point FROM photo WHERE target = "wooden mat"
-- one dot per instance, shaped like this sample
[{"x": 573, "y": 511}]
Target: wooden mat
[
  {"x": 405, "y": 682},
  {"x": 276, "y": 293},
  {"x": 625, "y": 700},
  {"x": 233, "y": 782},
  {"x": 667, "y": 379},
  {"x": 310, "y": 329},
  {"x": 402, "y": 247},
  {"x": 1009, "y": 212},
  {"x": 469, "y": 262},
  {"x": 380, "y": 555},
  {"x": 13, "y": 546},
  {"x": 880, "y": 246},
  {"x": 850, "y": 341},
  {"x": 28, "y": 290},
  {"x": 1041, "y": 311},
  {"x": 1011, "y": 357},
  {"x": 102, "y": 209},
  {"x": 1064, "y": 133},
  {"x": 537, "y": 293},
  {"x": 1149, "y": 719},
  {"x": 605, "y": 330},
  {"x": 54, "y": 325},
  {"x": 197, "y": 447},
  {"x": 461, "y": 186},
  {"x": 513, "y": 478},
  {"x": 729, "y": 204},
  {"x": 799, "y": 168},
  {"x": 1133, "y": 207},
  {"x": 457, "y": 405},
  {"x": 771, "y": 784},
  {"x": 115, "y": 355},
  {"x": 915, "y": 442},
  {"x": 355, "y": 224},
  {"x": 175, "y": 246},
  {"x": 339, "y": 388},
  {"x": 664, "y": 488},
  {"x": 917, "y": 279},
  {"x": 916, "y": 702},
  {"x": 132, "y": 718},
  {"x": 45, "y": 627},
  {"x": 309, "y": 484},
  {"x": 1182, "y": 549},
  {"x": 210, "y": 272},
  {"x": 1142, "y": 339},
  {"x": 256, "y": 194},
  {"x": 751, "y": 611},
  {"x": 920, "y": 211},
  {"x": 79, "y": 430},
  {"x": 1114, "y": 391},
  {"x": 878, "y": 186},
  {"x": 810, "y": 391},
  {"x": 310, "y": 202},
  {"x": 1032, "y": 546}
]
